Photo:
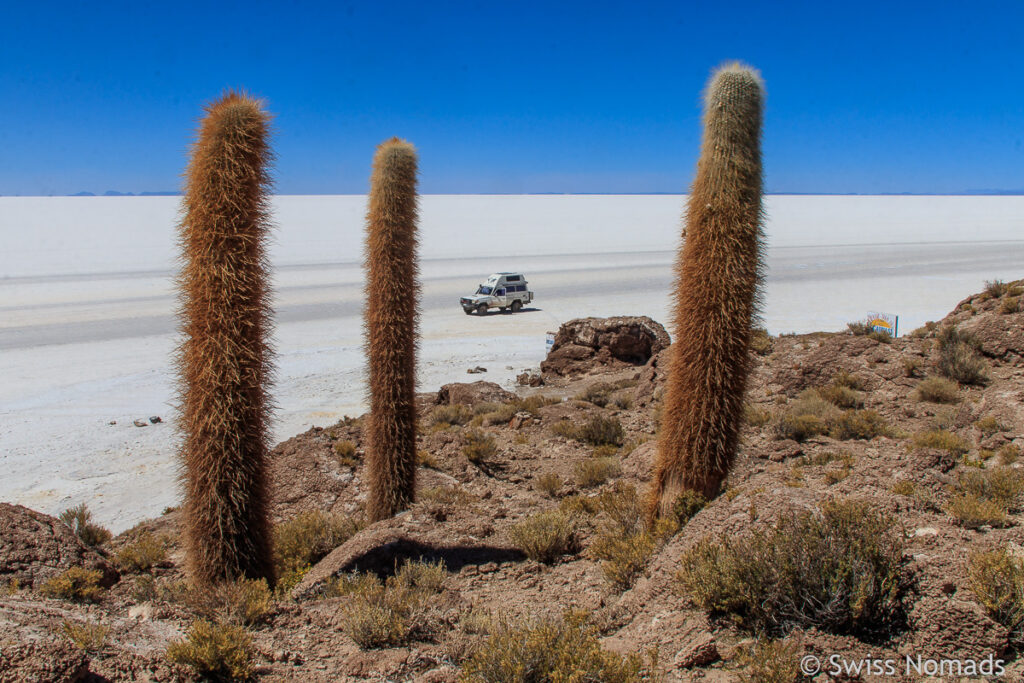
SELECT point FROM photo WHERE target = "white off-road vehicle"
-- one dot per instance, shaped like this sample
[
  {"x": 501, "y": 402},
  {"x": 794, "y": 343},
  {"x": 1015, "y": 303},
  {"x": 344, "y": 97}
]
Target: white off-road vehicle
[{"x": 504, "y": 291}]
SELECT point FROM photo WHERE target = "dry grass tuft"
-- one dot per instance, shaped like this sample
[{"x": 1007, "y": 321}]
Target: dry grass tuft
[
  {"x": 770, "y": 661},
  {"x": 548, "y": 484},
  {"x": 345, "y": 453},
  {"x": 960, "y": 358},
  {"x": 306, "y": 539},
  {"x": 943, "y": 440},
  {"x": 597, "y": 431},
  {"x": 89, "y": 637},
  {"x": 79, "y": 518}
]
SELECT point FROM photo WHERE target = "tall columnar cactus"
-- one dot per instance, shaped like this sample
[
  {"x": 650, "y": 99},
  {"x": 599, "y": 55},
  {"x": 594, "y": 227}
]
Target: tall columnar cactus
[
  {"x": 224, "y": 360},
  {"x": 392, "y": 295},
  {"x": 716, "y": 298}
]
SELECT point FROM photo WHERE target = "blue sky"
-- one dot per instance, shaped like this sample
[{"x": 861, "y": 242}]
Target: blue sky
[{"x": 869, "y": 97}]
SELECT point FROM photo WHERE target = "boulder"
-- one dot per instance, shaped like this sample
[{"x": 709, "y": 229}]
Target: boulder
[
  {"x": 584, "y": 343},
  {"x": 473, "y": 393},
  {"x": 35, "y": 547}
]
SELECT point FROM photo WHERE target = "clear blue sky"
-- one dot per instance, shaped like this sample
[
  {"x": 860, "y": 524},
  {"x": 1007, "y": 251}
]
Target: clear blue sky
[{"x": 515, "y": 97}]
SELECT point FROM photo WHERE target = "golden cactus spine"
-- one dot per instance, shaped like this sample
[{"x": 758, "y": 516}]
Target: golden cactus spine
[
  {"x": 392, "y": 296},
  {"x": 224, "y": 361},
  {"x": 716, "y": 297}
]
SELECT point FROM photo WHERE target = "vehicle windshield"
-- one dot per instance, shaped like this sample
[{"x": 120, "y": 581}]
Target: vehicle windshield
[{"x": 484, "y": 289}]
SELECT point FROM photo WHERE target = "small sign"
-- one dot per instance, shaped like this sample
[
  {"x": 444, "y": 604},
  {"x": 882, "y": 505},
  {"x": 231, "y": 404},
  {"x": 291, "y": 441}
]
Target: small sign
[
  {"x": 884, "y": 322},
  {"x": 550, "y": 342}
]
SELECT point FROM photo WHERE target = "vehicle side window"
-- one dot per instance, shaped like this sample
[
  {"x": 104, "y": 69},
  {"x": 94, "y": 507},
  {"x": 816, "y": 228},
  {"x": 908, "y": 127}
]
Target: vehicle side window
[
  {"x": 500, "y": 292},
  {"x": 520, "y": 288}
]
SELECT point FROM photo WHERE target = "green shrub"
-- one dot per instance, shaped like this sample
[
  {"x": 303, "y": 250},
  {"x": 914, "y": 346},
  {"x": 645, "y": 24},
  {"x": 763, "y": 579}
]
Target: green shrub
[
  {"x": 77, "y": 584},
  {"x": 478, "y": 447},
  {"x": 840, "y": 570},
  {"x": 937, "y": 390},
  {"x": 79, "y": 518},
  {"x": 943, "y": 440},
  {"x": 545, "y": 536},
  {"x": 997, "y": 579},
  {"x": 555, "y": 650},
  {"x": 959, "y": 357},
  {"x": 220, "y": 652},
  {"x": 308, "y": 538},
  {"x": 146, "y": 552},
  {"x": 596, "y": 471}
]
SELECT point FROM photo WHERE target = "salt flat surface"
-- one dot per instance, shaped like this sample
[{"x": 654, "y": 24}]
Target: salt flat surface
[{"x": 87, "y": 306}]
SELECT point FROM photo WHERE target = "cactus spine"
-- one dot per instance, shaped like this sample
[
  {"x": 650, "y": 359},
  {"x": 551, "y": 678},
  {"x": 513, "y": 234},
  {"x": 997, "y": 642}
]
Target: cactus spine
[
  {"x": 224, "y": 361},
  {"x": 719, "y": 273},
  {"x": 392, "y": 295}
]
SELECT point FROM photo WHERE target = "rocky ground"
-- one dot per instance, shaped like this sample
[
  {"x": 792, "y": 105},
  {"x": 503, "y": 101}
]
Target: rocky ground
[{"x": 504, "y": 457}]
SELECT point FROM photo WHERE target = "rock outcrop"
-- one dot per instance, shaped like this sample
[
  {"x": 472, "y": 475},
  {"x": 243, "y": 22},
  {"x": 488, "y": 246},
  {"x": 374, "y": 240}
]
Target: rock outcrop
[{"x": 584, "y": 343}]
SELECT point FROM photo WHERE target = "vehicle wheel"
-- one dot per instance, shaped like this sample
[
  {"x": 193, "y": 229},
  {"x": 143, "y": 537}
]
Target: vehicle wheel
[
  {"x": 517, "y": 306},
  {"x": 481, "y": 309},
  {"x": 467, "y": 311}
]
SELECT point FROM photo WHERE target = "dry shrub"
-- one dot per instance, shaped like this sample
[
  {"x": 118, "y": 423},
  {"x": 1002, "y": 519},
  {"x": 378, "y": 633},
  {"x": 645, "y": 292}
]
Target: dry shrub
[
  {"x": 578, "y": 506},
  {"x": 809, "y": 415},
  {"x": 858, "y": 424},
  {"x": 1011, "y": 304},
  {"x": 90, "y": 637},
  {"x": 597, "y": 431},
  {"x": 847, "y": 379},
  {"x": 448, "y": 415},
  {"x": 546, "y": 536},
  {"x": 76, "y": 584},
  {"x": 478, "y": 447},
  {"x": 500, "y": 415},
  {"x": 997, "y": 579},
  {"x": 79, "y": 518},
  {"x": 937, "y": 390},
  {"x": 345, "y": 452},
  {"x": 995, "y": 288},
  {"x": 1008, "y": 454},
  {"x": 755, "y": 416},
  {"x": 219, "y": 652},
  {"x": 862, "y": 329},
  {"x": 760, "y": 341},
  {"x": 770, "y": 661},
  {"x": 986, "y": 497},
  {"x": 989, "y": 425},
  {"x": 624, "y": 545},
  {"x": 596, "y": 471},
  {"x": 904, "y": 487},
  {"x": 446, "y": 495},
  {"x": 244, "y": 602},
  {"x": 840, "y": 570},
  {"x": 598, "y": 394},
  {"x": 556, "y": 650},
  {"x": 548, "y": 484},
  {"x": 911, "y": 366},
  {"x": 308, "y": 538},
  {"x": 144, "y": 554},
  {"x": 390, "y": 613},
  {"x": 943, "y": 440},
  {"x": 959, "y": 357}
]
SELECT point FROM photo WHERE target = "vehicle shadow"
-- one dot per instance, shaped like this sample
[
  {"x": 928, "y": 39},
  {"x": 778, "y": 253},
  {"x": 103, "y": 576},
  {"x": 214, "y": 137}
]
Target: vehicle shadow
[{"x": 496, "y": 311}]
